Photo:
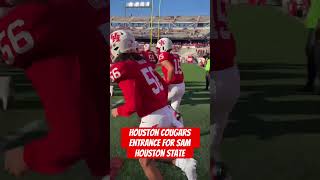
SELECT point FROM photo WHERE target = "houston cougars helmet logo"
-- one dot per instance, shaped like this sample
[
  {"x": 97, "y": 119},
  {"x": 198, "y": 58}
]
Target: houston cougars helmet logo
[
  {"x": 162, "y": 42},
  {"x": 115, "y": 37}
]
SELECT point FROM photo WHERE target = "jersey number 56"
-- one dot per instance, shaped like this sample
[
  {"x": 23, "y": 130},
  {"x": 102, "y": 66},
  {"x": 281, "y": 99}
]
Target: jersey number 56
[
  {"x": 20, "y": 42},
  {"x": 152, "y": 80},
  {"x": 114, "y": 74}
]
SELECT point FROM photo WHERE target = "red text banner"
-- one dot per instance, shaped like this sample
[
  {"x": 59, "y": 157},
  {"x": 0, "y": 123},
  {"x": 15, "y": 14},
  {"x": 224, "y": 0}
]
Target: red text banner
[{"x": 160, "y": 143}]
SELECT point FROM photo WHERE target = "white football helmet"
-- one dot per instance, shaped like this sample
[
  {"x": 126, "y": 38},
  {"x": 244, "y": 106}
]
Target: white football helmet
[
  {"x": 164, "y": 44},
  {"x": 146, "y": 47},
  {"x": 121, "y": 42}
]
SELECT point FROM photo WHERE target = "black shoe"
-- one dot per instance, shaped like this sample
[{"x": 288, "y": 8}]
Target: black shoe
[
  {"x": 221, "y": 172},
  {"x": 179, "y": 117}
]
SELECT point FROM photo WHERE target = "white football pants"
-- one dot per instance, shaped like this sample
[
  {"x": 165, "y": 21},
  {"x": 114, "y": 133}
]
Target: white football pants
[
  {"x": 225, "y": 90},
  {"x": 162, "y": 118},
  {"x": 176, "y": 92}
]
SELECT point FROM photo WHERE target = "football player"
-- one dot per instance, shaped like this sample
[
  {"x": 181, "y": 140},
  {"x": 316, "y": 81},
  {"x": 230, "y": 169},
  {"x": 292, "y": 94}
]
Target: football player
[
  {"x": 45, "y": 45},
  {"x": 176, "y": 56},
  {"x": 149, "y": 55},
  {"x": 145, "y": 93},
  {"x": 225, "y": 78},
  {"x": 173, "y": 74}
]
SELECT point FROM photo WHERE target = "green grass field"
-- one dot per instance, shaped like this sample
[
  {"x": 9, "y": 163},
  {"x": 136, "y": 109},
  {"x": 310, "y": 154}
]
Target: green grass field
[
  {"x": 196, "y": 113},
  {"x": 275, "y": 130}
]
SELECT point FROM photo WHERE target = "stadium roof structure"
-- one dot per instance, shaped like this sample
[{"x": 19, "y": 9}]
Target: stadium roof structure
[
  {"x": 174, "y": 27},
  {"x": 163, "y": 19}
]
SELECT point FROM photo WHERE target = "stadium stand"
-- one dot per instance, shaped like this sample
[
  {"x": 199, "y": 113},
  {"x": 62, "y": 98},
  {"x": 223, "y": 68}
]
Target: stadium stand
[
  {"x": 174, "y": 27},
  {"x": 190, "y": 34}
]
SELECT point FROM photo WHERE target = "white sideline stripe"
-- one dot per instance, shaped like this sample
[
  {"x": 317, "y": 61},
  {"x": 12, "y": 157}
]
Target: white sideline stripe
[
  {"x": 202, "y": 98},
  {"x": 29, "y": 127},
  {"x": 117, "y": 103},
  {"x": 33, "y": 125}
]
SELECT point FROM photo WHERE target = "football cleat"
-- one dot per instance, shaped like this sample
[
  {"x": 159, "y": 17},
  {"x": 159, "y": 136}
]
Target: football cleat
[
  {"x": 178, "y": 116},
  {"x": 188, "y": 166}
]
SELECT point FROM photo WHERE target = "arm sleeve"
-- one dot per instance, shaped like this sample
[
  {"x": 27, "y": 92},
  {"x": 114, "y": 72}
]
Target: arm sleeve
[{"x": 128, "y": 90}]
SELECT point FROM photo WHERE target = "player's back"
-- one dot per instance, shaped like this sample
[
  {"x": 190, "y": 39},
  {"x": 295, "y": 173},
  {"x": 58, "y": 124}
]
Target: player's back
[
  {"x": 224, "y": 49},
  {"x": 174, "y": 60},
  {"x": 149, "y": 89},
  {"x": 151, "y": 92}
]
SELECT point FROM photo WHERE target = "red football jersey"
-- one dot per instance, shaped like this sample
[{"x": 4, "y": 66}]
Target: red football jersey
[
  {"x": 177, "y": 57},
  {"x": 145, "y": 92},
  {"x": 178, "y": 76},
  {"x": 223, "y": 45},
  {"x": 24, "y": 36}
]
